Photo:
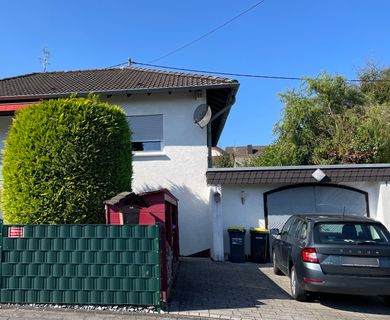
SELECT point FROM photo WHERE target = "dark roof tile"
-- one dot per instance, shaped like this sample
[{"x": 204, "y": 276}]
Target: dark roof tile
[
  {"x": 103, "y": 80},
  {"x": 302, "y": 175}
]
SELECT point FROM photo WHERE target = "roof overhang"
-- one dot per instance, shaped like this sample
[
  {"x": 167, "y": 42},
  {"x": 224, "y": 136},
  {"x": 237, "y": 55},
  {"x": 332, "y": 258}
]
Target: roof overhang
[
  {"x": 116, "y": 92},
  {"x": 125, "y": 197},
  {"x": 220, "y": 100},
  {"x": 299, "y": 174}
]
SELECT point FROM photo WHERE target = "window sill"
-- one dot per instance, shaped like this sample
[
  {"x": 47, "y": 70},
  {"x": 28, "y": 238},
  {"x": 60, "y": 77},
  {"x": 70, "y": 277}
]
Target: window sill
[{"x": 149, "y": 154}]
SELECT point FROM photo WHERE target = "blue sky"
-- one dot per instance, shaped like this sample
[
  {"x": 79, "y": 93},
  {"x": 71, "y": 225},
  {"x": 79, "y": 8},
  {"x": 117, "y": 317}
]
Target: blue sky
[{"x": 279, "y": 37}]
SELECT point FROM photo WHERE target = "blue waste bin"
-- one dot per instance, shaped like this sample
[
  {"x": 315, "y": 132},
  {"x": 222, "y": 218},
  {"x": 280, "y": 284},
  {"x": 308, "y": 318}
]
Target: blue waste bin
[{"x": 237, "y": 244}]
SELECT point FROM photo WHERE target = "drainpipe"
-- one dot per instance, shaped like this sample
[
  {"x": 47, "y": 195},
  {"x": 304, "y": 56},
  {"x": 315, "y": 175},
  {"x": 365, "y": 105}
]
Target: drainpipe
[
  {"x": 217, "y": 249},
  {"x": 209, "y": 146}
]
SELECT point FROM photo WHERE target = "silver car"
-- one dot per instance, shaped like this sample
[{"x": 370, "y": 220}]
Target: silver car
[{"x": 334, "y": 254}]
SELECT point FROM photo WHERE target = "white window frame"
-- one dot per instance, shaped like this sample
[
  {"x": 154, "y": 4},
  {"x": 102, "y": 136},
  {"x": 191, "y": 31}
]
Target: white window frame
[{"x": 162, "y": 144}]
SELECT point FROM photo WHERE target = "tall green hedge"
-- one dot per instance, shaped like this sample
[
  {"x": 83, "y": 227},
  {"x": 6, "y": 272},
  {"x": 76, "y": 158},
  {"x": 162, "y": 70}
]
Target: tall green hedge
[{"x": 62, "y": 159}]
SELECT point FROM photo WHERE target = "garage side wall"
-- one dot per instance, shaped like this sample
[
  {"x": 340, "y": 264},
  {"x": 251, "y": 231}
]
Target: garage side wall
[{"x": 247, "y": 213}]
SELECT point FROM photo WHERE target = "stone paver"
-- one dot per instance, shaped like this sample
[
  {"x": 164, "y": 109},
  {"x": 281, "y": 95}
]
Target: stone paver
[{"x": 250, "y": 291}]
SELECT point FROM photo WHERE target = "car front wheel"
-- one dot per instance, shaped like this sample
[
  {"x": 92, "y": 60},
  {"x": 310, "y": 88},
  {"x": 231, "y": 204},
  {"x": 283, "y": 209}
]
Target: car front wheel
[{"x": 297, "y": 292}]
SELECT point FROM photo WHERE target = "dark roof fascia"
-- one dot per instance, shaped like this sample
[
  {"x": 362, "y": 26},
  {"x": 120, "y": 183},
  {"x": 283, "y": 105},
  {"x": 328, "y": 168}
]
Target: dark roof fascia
[
  {"x": 299, "y": 174},
  {"x": 122, "y": 91},
  {"x": 304, "y": 167}
]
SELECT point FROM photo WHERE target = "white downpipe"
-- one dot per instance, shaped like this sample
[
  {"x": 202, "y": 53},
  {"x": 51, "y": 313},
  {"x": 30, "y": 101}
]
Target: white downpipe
[{"x": 217, "y": 251}]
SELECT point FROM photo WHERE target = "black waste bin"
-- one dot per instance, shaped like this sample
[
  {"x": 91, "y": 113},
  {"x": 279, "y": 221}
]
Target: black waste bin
[
  {"x": 237, "y": 244},
  {"x": 259, "y": 244}
]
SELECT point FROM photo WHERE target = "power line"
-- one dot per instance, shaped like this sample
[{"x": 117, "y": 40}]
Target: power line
[
  {"x": 244, "y": 75},
  {"x": 209, "y": 32},
  {"x": 235, "y": 74},
  {"x": 217, "y": 72}
]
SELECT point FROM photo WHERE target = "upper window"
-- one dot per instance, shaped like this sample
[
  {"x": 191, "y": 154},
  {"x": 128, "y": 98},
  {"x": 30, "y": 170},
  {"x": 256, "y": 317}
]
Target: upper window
[{"x": 147, "y": 132}]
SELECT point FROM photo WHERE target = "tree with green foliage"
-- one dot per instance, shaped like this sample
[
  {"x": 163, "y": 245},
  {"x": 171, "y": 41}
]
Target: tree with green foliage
[
  {"x": 62, "y": 159},
  {"x": 331, "y": 120},
  {"x": 225, "y": 160},
  {"x": 375, "y": 83}
]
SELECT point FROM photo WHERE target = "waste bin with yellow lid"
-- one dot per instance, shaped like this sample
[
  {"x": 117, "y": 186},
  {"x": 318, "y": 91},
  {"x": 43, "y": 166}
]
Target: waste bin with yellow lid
[
  {"x": 237, "y": 244},
  {"x": 259, "y": 244}
]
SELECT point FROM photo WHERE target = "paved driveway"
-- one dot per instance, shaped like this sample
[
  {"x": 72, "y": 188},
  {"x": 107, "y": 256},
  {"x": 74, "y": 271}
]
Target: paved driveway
[{"x": 247, "y": 291}]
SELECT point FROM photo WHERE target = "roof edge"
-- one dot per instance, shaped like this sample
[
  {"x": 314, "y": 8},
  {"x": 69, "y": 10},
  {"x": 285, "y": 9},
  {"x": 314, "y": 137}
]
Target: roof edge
[
  {"x": 303, "y": 167},
  {"x": 233, "y": 85},
  {"x": 140, "y": 69}
]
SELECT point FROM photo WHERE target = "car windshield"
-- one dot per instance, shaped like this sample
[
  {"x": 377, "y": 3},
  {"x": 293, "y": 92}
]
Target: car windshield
[{"x": 351, "y": 233}]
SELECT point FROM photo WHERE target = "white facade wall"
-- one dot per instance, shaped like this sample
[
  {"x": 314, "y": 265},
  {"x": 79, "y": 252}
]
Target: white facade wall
[
  {"x": 181, "y": 165},
  {"x": 250, "y": 213}
]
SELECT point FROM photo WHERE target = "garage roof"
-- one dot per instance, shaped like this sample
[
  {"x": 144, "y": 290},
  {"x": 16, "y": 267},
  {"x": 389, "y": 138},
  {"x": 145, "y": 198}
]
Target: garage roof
[{"x": 299, "y": 174}]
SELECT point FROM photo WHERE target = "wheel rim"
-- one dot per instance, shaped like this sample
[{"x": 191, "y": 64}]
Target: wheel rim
[{"x": 293, "y": 282}]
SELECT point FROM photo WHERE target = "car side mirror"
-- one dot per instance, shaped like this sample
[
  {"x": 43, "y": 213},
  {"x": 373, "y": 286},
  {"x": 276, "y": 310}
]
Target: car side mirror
[{"x": 275, "y": 232}]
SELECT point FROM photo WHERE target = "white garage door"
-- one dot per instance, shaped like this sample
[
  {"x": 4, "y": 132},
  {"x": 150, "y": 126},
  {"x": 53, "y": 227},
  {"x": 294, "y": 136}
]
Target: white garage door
[{"x": 329, "y": 199}]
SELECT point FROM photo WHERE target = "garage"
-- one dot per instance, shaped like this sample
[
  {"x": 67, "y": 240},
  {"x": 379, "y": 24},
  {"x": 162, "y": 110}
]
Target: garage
[
  {"x": 281, "y": 203},
  {"x": 268, "y": 196}
]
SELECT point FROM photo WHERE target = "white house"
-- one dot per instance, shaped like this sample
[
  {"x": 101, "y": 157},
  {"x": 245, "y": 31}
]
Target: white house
[
  {"x": 268, "y": 196},
  {"x": 170, "y": 150}
]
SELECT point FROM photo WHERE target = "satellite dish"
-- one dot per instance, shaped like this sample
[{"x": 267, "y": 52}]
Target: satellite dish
[{"x": 202, "y": 115}]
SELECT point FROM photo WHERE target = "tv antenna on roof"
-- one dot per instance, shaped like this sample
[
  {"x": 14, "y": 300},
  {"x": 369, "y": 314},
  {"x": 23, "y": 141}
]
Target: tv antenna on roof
[{"x": 45, "y": 59}]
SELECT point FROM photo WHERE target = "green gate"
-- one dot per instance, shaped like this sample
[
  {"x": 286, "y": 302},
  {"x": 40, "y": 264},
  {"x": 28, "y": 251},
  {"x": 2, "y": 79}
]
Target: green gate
[{"x": 80, "y": 264}]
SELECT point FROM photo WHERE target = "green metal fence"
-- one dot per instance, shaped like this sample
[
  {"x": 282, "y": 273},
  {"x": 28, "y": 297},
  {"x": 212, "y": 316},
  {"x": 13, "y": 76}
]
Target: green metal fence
[{"x": 80, "y": 264}]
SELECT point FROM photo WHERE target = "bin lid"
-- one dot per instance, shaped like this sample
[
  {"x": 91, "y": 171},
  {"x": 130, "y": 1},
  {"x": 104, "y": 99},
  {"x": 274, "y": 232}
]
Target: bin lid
[
  {"x": 259, "y": 230},
  {"x": 236, "y": 229}
]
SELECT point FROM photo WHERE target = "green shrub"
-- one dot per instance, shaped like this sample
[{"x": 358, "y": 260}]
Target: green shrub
[{"x": 62, "y": 159}]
